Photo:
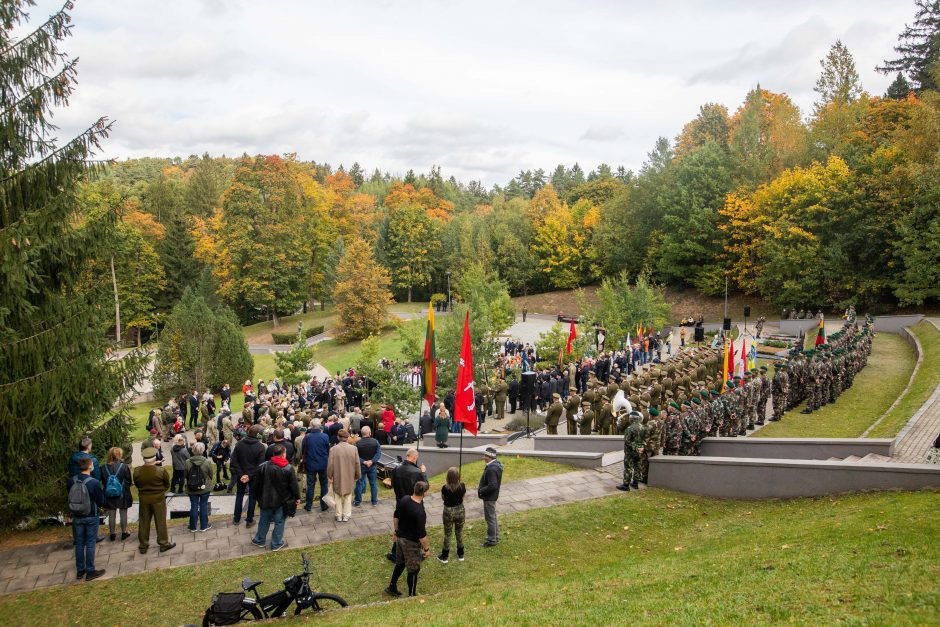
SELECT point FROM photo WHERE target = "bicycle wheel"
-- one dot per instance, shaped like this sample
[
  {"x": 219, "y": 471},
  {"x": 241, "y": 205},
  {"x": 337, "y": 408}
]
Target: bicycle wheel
[{"x": 325, "y": 601}]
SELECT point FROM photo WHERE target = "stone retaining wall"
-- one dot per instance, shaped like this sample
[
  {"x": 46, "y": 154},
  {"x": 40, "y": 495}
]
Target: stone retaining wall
[{"x": 794, "y": 448}]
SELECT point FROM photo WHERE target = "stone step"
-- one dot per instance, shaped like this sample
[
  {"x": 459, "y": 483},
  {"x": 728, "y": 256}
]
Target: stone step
[
  {"x": 852, "y": 458},
  {"x": 876, "y": 458}
]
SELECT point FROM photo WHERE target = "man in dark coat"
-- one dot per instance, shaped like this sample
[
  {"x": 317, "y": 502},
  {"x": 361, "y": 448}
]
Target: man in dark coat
[
  {"x": 247, "y": 456},
  {"x": 488, "y": 491},
  {"x": 315, "y": 448},
  {"x": 403, "y": 482},
  {"x": 275, "y": 485},
  {"x": 513, "y": 393}
]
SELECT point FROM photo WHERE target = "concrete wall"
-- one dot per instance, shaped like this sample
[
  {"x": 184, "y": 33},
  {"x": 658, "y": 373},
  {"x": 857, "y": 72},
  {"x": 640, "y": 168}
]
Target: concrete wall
[
  {"x": 727, "y": 477},
  {"x": 469, "y": 441},
  {"x": 579, "y": 443},
  {"x": 439, "y": 460},
  {"x": 794, "y": 448},
  {"x": 884, "y": 324}
]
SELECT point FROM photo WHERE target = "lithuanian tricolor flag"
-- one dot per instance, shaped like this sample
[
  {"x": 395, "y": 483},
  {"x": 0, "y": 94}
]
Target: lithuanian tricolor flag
[
  {"x": 821, "y": 334},
  {"x": 429, "y": 371}
]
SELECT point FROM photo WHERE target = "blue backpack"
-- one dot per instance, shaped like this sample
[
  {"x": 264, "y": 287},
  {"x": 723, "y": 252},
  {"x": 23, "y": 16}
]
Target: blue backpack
[{"x": 114, "y": 486}]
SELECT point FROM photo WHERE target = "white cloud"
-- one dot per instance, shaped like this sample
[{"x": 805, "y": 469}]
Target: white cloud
[{"x": 484, "y": 89}]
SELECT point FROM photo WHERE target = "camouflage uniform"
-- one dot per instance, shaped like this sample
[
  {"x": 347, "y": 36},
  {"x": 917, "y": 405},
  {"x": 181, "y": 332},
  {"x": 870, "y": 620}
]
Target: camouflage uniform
[
  {"x": 673, "y": 432},
  {"x": 689, "y": 430},
  {"x": 634, "y": 441},
  {"x": 781, "y": 391},
  {"x": 654, "y": 442},
  {"x": 764, "y": 395}
]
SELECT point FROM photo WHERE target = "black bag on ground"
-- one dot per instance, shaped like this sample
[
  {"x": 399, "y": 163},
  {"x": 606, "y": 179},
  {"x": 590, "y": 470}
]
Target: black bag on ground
[{"x": 226, "y": 608}]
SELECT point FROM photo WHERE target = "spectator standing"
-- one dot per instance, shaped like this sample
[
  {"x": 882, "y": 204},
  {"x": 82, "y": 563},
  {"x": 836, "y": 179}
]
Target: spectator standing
[
  {"x": 179, "y": 454},
  {"x": 316, "y": 451},
  {"x": 343, "y": 472},
  {"x": 425, "y": 423},
  {"x": 220, "y": 454},
  {"x": 247, "y": 456},
  {"x": 199, "y": 477},
  {"x": 404, "y": 479},
  {"x": 452, "y": 493},
  {"x": 488, "y": 491},
  {"x": 84, "y": 452},
  {"x": 85, "y": 497},
  {"x": 114, "y": 502},
  {"x": 152, "y": 482},
  {"x": 370, "y": 452},
  {"x": 275, "y": 485},
  {"x": 441, "y": 426},
  {"x": 410, "y": 539}
]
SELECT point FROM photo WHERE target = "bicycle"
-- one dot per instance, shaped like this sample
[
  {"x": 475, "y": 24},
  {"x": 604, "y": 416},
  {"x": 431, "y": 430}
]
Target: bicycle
[{"x": 229, "y": 608}]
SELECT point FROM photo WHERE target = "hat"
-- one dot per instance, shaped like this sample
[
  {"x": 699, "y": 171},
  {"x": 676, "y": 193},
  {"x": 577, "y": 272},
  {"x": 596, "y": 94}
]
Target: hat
[
  {"x": 153, "y": 432},
  {"x": 557, "y": 395},
  {"x": 149, "y": 453},
  {"x": 674, "y": 404},
  {"x": 654, "y": 412},
  {"x": 715, "y": 393},
  {"x": 490, "y": 452}
]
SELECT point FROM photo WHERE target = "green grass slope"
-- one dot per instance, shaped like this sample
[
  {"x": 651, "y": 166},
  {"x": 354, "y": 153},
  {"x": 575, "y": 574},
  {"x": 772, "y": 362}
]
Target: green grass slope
[{"x": 647, "y": 557}]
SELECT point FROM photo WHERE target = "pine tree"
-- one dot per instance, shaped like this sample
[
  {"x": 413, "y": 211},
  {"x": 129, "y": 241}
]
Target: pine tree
[
  {"x": 899, "y": 89},
  {"x": 204, "y": 188},
  {"x": 55, "y": 380},
  {"x": 177, "y": 250},
  {"x": 918, "y": 47},
  {"x": 838, "y": 81}
]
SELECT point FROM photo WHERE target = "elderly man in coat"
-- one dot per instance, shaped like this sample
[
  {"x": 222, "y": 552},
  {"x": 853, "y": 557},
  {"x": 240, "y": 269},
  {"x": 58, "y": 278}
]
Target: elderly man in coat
[{"x": 343, "y": 471}]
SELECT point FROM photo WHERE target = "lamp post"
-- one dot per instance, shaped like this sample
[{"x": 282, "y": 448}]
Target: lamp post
[{"x": 448, "y": 292}]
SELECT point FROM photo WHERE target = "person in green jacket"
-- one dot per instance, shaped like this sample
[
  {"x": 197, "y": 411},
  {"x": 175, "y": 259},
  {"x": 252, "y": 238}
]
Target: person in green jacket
[
  {"x": 152, "y": 482},
  {"x": 441, "y": 426},
  {"x": 199, "y": 490}
]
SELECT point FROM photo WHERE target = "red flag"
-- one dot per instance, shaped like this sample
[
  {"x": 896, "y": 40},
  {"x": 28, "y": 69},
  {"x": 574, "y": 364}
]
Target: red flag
[
  {"x": 571, "y": 335},
  {"x": 821, "y": 334},
  {"x": 743, "y": 356},
  {"x": 464, "y": 406},
  {"x": 730, "y": 360}
]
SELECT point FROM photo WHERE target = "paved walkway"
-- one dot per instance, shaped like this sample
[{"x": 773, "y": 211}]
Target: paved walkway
[
  {"x": 50, "y": 565},
  {"x": 921, "y": 430}
]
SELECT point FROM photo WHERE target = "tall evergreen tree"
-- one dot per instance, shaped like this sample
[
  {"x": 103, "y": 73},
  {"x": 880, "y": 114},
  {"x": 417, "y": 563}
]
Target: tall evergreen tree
[
  {"x": 838, "y": 81},
  {"x": 898, "y": 89},
  {"x": 176, "y": 250},
  {"x": 56, "y": 382},
  {"x": 918, "y": 47},
  {"x": 205, "y": 186}
]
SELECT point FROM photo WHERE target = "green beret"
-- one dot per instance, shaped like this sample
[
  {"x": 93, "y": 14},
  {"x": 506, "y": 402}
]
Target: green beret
[
  {"x": 674, "y": 404},
  {"x": 696, "y": 400},
  {"x": 654, "y": 412},
  {"x": 715, "y": 393},
  {"x": 763, "y": 368},
  {"x": 731, "y": 385}
]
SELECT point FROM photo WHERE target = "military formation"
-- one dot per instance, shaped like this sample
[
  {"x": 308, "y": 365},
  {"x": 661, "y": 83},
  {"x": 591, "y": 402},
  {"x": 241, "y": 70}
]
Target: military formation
[{"x": 679, "y": 403}]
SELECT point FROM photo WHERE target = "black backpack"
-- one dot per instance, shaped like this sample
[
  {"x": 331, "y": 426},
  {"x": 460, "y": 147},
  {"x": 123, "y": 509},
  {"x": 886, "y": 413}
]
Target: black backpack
[{"x": 195, "y": 480}]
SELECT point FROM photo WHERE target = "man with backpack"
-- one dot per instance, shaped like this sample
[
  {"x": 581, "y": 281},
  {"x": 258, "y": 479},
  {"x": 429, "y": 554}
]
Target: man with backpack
[
  {"x": 85, "y": 497},
  {"x": 199, "y": 477}
]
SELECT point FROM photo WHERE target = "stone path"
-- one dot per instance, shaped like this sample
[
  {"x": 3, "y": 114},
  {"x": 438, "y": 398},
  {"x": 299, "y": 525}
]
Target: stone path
[
  {"x": 917, "y": 436},
  {"x": 50, "y": 565}
]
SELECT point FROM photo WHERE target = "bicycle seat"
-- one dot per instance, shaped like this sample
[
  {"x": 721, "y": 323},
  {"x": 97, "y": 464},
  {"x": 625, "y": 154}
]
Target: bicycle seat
[{"x": 248, "y": 584}]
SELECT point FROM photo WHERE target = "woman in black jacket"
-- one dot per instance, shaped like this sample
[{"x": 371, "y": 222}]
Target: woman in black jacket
[{"x": 115, "y": 466}]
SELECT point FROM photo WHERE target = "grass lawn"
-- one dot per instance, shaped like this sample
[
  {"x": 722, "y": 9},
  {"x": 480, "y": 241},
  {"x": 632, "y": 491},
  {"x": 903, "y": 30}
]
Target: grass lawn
[
  {"x": 653, "y": 556},
  {"x": 260, "y": 333},
  {"x": 514, "y": 469},
  {"x": 876, "y": 387},
  {"x": 926, "y": 381},
  {"x": 337, "y": 356}
]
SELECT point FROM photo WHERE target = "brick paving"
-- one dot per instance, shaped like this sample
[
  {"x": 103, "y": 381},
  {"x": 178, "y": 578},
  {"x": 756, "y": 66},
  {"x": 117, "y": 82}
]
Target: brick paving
[
  {"x": 50, "y": 565},
  {"x": 918, "y": 434}
]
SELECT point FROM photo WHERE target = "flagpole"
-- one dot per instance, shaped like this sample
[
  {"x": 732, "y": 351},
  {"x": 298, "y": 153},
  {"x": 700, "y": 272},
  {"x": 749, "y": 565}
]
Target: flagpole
[{"x": 460, "y": 455}]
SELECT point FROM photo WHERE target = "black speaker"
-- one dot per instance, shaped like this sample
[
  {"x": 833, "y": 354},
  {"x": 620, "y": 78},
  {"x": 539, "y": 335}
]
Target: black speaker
[
  {"x": 699, "y": 334},
  {"x": 527, "y": 385},
  {"x": 727, "y": 324},
  {"x": 747, "y": 311}
]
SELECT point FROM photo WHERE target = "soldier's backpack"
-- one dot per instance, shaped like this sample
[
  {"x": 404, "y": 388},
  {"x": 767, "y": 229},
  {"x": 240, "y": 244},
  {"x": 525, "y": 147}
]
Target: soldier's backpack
[
  {"x": 195, "y": 481},
  {"x": 79, "y": 499}
]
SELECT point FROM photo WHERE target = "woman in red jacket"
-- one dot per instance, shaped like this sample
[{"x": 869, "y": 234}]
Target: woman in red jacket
[{"x": 388, "y": 419}]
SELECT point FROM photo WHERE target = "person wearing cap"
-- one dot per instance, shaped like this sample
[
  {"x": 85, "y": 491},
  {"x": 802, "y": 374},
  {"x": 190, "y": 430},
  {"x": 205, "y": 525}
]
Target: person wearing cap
[
  {"x": 605, "y": 418},
  {"x": 572, "y": 404},
  {"x": 634, "y": 443},
  {"x": 553, "y": 415},
  {"x": 152, "y": 483},
  {"x": 488, "y": 491},
  {"x": 343, "y": 471}
]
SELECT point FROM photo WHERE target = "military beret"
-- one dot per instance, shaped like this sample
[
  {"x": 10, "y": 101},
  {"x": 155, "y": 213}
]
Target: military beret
[
  {"x": 737, "y": 378},
  {"x": 715, "y": 393},
  {"x": 731, "y": 385},
  {"x": 763, "y": 368},
  {"x": 654, "y": 412},
  {"x": 674, "y": 404},
  {"x": 696, "y": 400},
  {"x": 635, "y": 413},
  {"x": 686, "y": 405}
]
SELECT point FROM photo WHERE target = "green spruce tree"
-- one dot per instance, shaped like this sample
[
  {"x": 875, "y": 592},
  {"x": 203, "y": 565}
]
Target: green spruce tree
[{"x": 56, "y": 380}]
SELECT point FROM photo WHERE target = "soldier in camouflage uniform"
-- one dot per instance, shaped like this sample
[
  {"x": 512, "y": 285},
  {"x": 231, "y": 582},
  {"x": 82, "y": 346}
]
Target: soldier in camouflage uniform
[
  {"x": 634, "y": 441},
  {"x": 689, "y": 425},
  {"x": 752, "y": 393},
  {"x": 764, "y": 395},
  {"x": 673, "y": 430},
  {"x": 731, "y": 411},
  {"x": 811, "y": 383},
  {"x": 781, "y": 390},
  {"x": 654, "y": 443},
  {"x": 572, "y": 404}
]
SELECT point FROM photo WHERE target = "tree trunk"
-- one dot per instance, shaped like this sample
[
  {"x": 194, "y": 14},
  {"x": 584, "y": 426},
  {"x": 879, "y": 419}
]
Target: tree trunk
[
  {"x": 409, "y": 293},
  {"x": 274, "y": 318},
  {"x": 139, "y": 344},
  {"x": 117, "y": 304},
  {"x": 322, "y": 305}
]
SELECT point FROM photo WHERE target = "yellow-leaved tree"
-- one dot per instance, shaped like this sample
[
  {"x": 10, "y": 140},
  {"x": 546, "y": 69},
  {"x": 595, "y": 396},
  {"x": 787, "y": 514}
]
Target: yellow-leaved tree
[{"x": 361, "y": 293}]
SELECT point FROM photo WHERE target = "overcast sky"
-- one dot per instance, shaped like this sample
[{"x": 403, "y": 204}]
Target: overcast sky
[{"x": 483, "y": 89}]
